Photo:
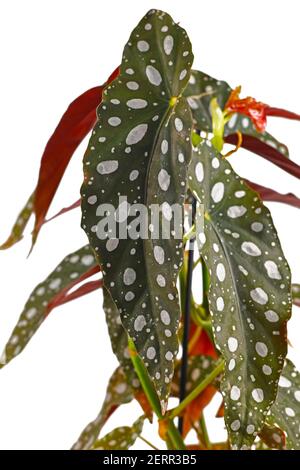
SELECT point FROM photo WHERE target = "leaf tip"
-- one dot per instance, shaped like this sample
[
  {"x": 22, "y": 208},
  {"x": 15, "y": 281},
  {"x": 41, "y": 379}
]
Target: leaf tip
[
  {"x": 164, "y": 406},
  {"x": 3, "y": 360}
]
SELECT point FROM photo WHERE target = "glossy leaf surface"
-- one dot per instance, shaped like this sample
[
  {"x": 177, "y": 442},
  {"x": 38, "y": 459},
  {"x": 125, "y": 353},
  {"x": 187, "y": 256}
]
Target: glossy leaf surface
[
  {"x": 140, "y": 148},
  {"x": 249, "y": 295}
]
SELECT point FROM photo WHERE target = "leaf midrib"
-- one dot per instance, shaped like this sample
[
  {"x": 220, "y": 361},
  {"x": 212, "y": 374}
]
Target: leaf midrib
[{"x": 245, "y": 413}]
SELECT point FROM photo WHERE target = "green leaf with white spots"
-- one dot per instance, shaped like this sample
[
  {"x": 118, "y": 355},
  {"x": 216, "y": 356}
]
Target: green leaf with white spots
[
  {"x": 296, "y": 294},
  {"x": 139, "y": 150},
  {"x": 285, "y": 412},
  {"x": 121, "y": 438},
  {"x": 118, "y": 393},
  {"x": 73, "y": 268},
  {"x": 201, "y": 90},
  {"x": 249, "y": 295},
  {"x": 19, "y": 226},
  {"x": 119, "y": 338}
]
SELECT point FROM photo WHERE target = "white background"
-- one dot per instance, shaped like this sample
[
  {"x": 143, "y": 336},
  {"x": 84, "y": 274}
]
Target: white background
[{"x": 51, "y": 51}]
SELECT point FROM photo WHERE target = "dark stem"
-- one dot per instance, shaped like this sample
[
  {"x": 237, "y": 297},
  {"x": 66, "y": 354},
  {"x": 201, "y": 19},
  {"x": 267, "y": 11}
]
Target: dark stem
[{"x": 186, "y": 320}]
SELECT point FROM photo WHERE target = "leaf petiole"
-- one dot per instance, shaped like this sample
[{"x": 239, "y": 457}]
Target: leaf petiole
[
  {"x": 147, "y": 442},
  {"x": 197, "y": 390},
  {"x": 204, "y": 432},
  {"x": 190, "y": 234},
  {"x": 151, "y": 394}
]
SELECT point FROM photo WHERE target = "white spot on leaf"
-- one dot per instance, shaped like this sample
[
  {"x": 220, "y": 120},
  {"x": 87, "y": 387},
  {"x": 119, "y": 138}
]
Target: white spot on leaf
[
  {"x": 232, "y": 344},
  {"x": 272, "y": 270},
  {"x": 159, "y": 254},
  {"x": 251, "y": 249},
  {"x": 236, "y": 211},
  {"x": 199, "y": 172},
  {"x": 257, "y": 395},
  {"x": 168, "y": 44},
  {"x": 259, "y": 296},
  {"x": 143, "y": 46},
  {"x": 217, "y": 192},
  {"x": 107, "y": 167},
  {"x": 129, "y": 276},
  {"x": 137, "y": 103},
  {"x": 136, "y": 134},
  {"x": 153, "y": 75},
  {"x": 165, "y": 317},
  {"x": 163, "y": 179},
  {"x": 261, "y": 349},
  {"x": 139, "y": 323}
]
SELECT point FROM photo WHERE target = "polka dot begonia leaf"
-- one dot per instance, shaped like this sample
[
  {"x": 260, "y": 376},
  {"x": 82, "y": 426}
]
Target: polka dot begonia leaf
[
  {"x": 140, "y": 149},
  {"x": 201, "y": 90},
  {"x": 249, "y": 295},
  {"x": 19, "y": 226},
  {"x": 68, "y": 273},
  {"x": 121, "y": 438},
  {"x": 285, "y": 412},
  {"x": 118, "y": 393},
  {"x": 119, "y": 338}
]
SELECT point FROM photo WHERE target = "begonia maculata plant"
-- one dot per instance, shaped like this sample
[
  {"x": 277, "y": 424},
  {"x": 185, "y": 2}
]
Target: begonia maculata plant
[{"x": 162, "y": 135}]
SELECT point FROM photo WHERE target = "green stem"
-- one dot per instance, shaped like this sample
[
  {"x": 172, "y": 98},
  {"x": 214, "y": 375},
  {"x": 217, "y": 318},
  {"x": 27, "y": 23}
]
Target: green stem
[
  {"x": 148, "y": 442},
  {"x": 152, "y": 397},
  {"x": 204, "y": 432},
  {"x": 182, "y": 283},
  {"x": 197, "y": 262},
  {"x": 175, "y": 436},
  {"x": 145, "y": 380},
  {"x": 218, "y": 124},
  {"x": 190, "y": 234},
  {"x": 197, "y": 390}
]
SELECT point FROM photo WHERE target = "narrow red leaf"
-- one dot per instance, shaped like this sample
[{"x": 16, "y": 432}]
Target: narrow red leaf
[
  {"x": 266, "y": 151},
  {"x": 65, "y": 210},
  {"x": 268, "y": 194},
  {"x": 85, "y": 289},
  {"x": 203, "y": 346},
  {"x": 60, "y": 298},
  {"x": 74, "y": 125},
  {"x": 221, "y": 411},
  {"x": 279, "y": 112},
  {"x": 194, "y": 410}
]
